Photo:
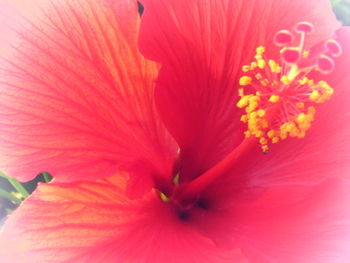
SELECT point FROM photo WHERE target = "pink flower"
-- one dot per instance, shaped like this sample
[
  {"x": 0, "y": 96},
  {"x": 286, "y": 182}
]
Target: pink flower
[{"x": 149, "y": 156}]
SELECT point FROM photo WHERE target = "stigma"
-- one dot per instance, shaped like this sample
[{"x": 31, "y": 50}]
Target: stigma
[{"x": 279, "y": 97}]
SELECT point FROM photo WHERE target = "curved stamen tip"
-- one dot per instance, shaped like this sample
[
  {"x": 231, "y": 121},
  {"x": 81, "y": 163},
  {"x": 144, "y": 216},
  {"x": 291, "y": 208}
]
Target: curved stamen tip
[
  {"x": 325, "y": 64},
  {"x": 304, "y": 27},
  {"x": 283, "y": 38},
  {"x": 291, "y": 55},
  {"x": 333, "y": 47},
  {"x": 279, "y": 99}
]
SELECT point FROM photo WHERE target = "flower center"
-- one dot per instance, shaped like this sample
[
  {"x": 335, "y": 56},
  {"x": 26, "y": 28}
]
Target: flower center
[
  {"x": 280, "y": 101},
  {"x": 279, "y": 98},
  {"x": 182, "y": 206}
]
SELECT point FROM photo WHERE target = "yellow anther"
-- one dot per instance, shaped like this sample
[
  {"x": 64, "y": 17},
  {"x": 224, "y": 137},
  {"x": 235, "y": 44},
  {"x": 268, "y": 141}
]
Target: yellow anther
[
  {"x": 246, "y": 68},
  {"x": 315, "y": 95},
  {"x": 243, "y": 102},
  {"x": 330, "y": 91},
  {"x": 302, "y": 134},
  {"x": 323, "y": 84},
  {"x": 304, "y": 126},
  {"x": 163, "y": 197},
  {"x": 260, "y": 50},
  {"x": 261, "y": 113},
  {"x": 285, "y": 80},
  {"x": 311, "y": 111},
  {"x": 300, "y": 105},
  {"x": 261, "y": 63},
  {"x": 293, "y": 72},
  {"x": 176, "y": 179},
  {"x": 252, "y": 106},
  {"x": 264, "y": 124},
  {"x": 303, "y": 81},
  {"x": 275, "y": 139},
  {"x": 311, "y": 82},
  {"x": 264, "y": 82},
  {"x": 241, "y": 92},
  {"x": 271, "y": 134},
  {"x": 274, "y": 98},
  {"x": 259, "y": 134},
  {"x": 252, "y": 125},
  {"x": 284, "y": 126},
  {"x": 324, "y": 92},
  {"x": 301, "y": 118},
  {"x": 253, "y": 65},
  {"x": 283, "y": 134},
  {"x": 258, "y": 76},
  {"x": 244, "y": 118},
  {"x": 253, "y": 115},
  {"x": 263, "y": 140},
  {"x": 274, "y": 67},
  {"x": 265, "y": 148},
  {"x": 245, "y": 81},
  {"x": 253, "y": 99},
  {"x": 290, "y": 127},
  {"x": 306, "y": 53},
  {"x": 291, "y": 92}
]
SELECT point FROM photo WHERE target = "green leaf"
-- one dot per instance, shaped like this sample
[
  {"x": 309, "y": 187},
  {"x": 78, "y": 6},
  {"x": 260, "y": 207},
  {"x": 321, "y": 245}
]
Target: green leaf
[
  {"x": 16, "y": 185},
  {"x": 10, "y": 197},
  {"x": 47, "y": 177}
]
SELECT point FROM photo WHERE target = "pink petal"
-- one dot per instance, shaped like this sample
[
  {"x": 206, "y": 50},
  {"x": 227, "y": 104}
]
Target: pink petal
[
  {"x": 339, "y": 76},
  {"x": 76, "y": 96},
  {"x": 291, "y": 205},
  {"x": 285, "y": 223},
  {"x": 323, "y": 153},
  {"x": 94, "y": 222},
  {"x": 297, "y": 224},
  {"x": 202, "y": 47}
]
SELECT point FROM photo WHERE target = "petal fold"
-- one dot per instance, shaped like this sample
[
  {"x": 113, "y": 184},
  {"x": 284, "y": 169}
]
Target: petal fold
[
  {"x": 76, "y": 96},
  {"x": 202, "y": 46}
]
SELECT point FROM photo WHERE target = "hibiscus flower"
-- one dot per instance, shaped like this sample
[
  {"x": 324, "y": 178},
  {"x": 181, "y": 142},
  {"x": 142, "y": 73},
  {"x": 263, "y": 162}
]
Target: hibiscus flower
[{"x": 137, "y": 121}]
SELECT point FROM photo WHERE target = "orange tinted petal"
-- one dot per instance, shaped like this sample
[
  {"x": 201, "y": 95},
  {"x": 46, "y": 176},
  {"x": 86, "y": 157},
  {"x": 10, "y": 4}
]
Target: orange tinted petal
[
  {"x": 94, "y": 222},
  {"x": 76, "y": 95}
]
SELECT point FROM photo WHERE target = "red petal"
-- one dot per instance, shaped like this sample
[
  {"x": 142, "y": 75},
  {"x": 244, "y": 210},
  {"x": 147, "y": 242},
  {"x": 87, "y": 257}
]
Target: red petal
[
  {"x": 325, "y": 151},
  {"x": 94, "y": 222},
  {"x": 76, "y": 96},
  {"x": 202, "y": 47},
  {"x": 297, "y": 182},
  {"x": 297, "y": 224},
  {"x": 286, "y": 223}
]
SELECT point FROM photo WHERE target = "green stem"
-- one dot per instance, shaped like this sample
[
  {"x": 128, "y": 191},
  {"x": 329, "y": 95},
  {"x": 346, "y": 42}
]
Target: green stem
[
  {"x": 47, "y": 177},
  {"x": 16, "y": 185}
]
